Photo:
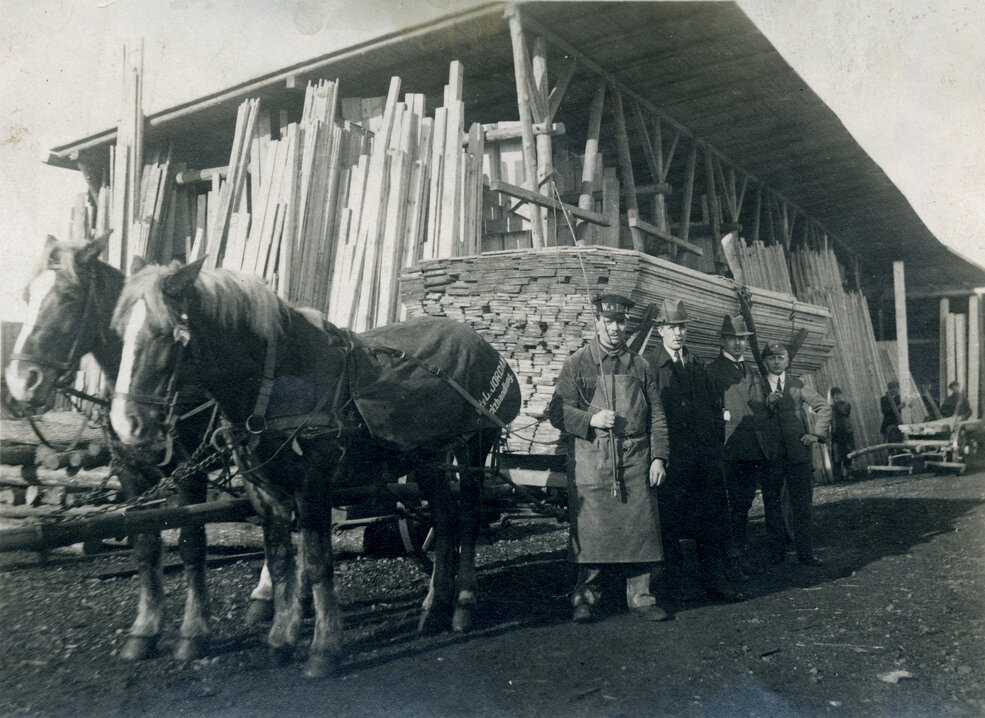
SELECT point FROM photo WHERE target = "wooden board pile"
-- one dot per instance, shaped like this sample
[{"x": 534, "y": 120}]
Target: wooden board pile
[
  {"x": 856, "y": 364},
  {"x": 764, "y": 266},
  {"x": 533, "y": 306}
]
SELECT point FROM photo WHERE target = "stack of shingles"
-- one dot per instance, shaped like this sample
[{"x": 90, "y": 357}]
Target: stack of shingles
[
  {"x": 534, "y": 308},
  {"x": 855, "y": 364}
]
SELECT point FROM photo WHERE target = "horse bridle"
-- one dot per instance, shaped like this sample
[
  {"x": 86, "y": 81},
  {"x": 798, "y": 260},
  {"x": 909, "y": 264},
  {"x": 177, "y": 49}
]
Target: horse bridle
[{"x": 69, "y": 366}]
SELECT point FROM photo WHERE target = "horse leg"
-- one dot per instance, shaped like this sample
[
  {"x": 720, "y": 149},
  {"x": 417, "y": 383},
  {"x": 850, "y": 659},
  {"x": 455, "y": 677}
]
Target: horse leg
[
  {"x": 195, "y": 634},
  {"x": 437, "y": 607},
  {"x": 315, "y": 520},
  {"x": 147, "y": 549},
  {"x": 274, "y": 509},
  {"x": 261, "y": 606},
  {"x": 470, "y": 516}
]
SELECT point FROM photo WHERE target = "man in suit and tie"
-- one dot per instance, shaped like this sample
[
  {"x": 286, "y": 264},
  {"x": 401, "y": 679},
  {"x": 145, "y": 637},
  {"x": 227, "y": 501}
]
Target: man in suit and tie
[
  {"x": 747, "y": 452},
  {"x": 692, "y": 500},
  {"x": 785, "y": 402}
]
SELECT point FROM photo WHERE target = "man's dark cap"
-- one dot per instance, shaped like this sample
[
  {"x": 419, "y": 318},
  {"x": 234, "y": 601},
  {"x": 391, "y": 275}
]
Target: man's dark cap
[
  {"x": 775, "y": 348},
  {"x": 612, "y": 306}
]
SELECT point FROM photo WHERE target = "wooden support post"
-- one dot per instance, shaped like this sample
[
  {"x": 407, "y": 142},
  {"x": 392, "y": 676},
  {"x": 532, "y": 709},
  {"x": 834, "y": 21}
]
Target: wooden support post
[
  {"x": 961, "y": 349},
  {"x": 944, "y": 312},
  {"x": 902, "y": 341},
  {"x": 545, "y": 156},
  {"x": 523, "y": 83},
  {"x": 626, "y": 170},
  {"x": 974, "y": 353},
  {"x": 692, "y": 161},
  {"x": 754, "y": 236},
  {"x": 589, "y": 180},
  {"x": 713, "y": 205},
  {"x": 610, "y": 207}
]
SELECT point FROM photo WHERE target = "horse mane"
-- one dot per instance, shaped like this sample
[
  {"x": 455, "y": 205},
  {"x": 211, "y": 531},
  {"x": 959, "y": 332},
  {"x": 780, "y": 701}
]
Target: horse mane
[{"x": 230, "y": 299}]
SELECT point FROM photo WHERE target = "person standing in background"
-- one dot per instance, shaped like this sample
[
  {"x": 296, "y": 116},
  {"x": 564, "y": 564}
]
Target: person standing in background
[
  {"x": 891, "y": 404},
  {"x": 956, "y": 403},
  {"x": 842, "y": 434}
]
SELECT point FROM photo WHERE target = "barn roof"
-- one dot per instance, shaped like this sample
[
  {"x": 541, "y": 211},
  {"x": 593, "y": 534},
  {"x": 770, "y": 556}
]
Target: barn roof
[{"x": 703, "y": 66}]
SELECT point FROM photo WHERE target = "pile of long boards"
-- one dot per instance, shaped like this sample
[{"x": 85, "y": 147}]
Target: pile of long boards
[
  {"x": 534, "y": 307},
  {"x": 330, "y": 209},
  {"x": 856, "y": 365}
]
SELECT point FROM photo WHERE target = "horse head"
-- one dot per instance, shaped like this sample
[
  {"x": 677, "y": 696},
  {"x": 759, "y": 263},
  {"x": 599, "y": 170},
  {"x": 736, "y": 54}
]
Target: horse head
[
  {"x": 151, "y": 317},
  {"x": 70, "y": 302}
]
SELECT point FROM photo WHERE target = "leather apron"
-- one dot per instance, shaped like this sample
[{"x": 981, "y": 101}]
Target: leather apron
[{"x": 607, "y": 528}]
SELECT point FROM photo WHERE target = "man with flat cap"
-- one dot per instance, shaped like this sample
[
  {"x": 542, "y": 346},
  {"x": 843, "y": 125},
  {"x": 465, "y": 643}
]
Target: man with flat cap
[
  {"x": 785, "y": 402},
  {"x": 606, "y": 401},
  {"x": 692, "y": 501},
  {"x": 747, "y": 429}
]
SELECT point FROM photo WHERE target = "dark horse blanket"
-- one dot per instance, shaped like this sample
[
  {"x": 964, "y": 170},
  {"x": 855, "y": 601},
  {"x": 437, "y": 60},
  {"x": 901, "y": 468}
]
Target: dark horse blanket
[{"x": 427, "y": 379}]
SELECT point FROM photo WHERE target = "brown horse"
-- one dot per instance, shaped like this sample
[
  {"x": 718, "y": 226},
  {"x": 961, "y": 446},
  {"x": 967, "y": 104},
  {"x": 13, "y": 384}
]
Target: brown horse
[
  {"x": 71, "y": 301},
  {"x": 325, "y": 409}
]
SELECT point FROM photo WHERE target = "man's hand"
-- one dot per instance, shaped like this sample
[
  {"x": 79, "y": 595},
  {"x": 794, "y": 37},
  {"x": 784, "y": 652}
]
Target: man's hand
[
  {"x": 658, "y": 472},
  {"x": 604, "y": 419},
  {"x": 808, "y": 439}
]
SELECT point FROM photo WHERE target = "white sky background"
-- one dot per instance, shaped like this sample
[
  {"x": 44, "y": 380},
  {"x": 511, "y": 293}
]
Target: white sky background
[{"x": 906, "y": 77}]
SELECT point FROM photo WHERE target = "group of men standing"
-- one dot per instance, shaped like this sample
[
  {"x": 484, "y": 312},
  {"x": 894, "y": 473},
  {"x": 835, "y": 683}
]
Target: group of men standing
[{"x": 663, "y": 447}]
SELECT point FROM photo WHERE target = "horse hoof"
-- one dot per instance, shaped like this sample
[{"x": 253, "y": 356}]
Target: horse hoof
[
  {"x": 432, "y": 622},
  {"x": 281, "y": 655},
  {"x": 259, "y": 611},
  {"x": 461, "y": 621},
  {"x": 190, "y": 649},
  {"x": 139, "y": 648},
  {"x": 320, "y": 666}
]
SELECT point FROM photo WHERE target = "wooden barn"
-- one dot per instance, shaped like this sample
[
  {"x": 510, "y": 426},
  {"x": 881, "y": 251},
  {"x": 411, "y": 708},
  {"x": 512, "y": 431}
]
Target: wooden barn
[{"x": 489, "y": 164}]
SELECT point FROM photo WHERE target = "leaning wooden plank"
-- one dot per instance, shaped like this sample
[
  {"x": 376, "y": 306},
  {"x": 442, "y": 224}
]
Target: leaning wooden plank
[
  {"x": 644, "y": 226},
  {"x": 429, "y": 249},
  {"x": 451, "y": 190},
  {"x": 542, "y": 201}
]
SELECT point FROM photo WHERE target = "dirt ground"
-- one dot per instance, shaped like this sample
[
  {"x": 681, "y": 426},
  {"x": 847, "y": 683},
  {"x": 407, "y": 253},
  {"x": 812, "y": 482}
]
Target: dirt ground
[{"x": 892, "y": 625}]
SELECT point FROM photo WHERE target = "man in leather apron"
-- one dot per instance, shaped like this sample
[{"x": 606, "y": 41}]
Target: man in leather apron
[{"x": 606, "y": 401}]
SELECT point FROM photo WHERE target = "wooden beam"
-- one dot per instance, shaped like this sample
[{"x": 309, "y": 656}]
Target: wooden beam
[
  {"x": 626, "y": 171},
  {"x": 974, "y": 354},
  {"x": 692, "y": 161},
  {"x": 944, "y": 311},
  {"x": 556, "y": 97},
  {"x": 522, "y": 193},
  {"x": 589, "y": 181},
  {"x": 523, "y": 84},
  {"x": 512, "y": 130},
  {"x": 655, "y": 231},
  {"x": 545, "y": 151},
  {"x": 757, "y": 212},
  {"x": 902, "y": 345}
]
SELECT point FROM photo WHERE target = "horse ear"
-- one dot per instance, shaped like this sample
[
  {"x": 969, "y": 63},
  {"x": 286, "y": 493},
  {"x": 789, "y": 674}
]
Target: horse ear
[
  {"x": 137, "y": 264},
  {"x": 175, "y": 285},
  {"x": 94, "y": 247}
]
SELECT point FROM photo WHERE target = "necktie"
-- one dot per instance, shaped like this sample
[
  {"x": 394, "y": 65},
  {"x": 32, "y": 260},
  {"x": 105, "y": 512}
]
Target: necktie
[
  {"x": 677, "y": 357},
  {"x": 779, "y": 385}
]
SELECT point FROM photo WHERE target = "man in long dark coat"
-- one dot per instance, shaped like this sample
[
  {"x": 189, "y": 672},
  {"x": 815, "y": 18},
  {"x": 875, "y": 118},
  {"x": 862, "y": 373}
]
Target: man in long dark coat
[
  {"x": 792, "y": 468},
  {"x": 606, "y": 401},
  {"x": 747, "y": 458},
  {"x": 693, "y": 502}
]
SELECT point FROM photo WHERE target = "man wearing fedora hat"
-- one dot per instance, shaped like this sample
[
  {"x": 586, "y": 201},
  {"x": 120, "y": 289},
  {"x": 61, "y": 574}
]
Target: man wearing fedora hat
[
  {"x": 606, "y": 401},
  {"x": 747, "y": 433},
  {"x": 692, "y": 501},
  {"x": 792, "y": 468}
]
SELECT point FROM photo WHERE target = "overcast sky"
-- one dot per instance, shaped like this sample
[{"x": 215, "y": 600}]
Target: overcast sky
[{"x": 907, "y": 79}]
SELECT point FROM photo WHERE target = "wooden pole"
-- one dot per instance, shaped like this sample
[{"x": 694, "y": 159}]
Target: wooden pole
[
  {"x": 974, "y": 353},
  {"x": 589, "y": 180},
  {"x": 945, "y": 310},
  {"x": 526, "y": 124},
  {"x": 692, "y": 161},
  {"x": 626, "y": 170},
  {"x": 902, "y": 338},
  {"x": 543, "y": 141}
]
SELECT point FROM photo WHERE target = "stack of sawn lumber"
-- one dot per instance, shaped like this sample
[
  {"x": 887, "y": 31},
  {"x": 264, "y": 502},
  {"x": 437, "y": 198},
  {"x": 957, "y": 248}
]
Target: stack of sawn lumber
[
  {"x": 533, "y": 306},
  {"x": 855, "y": 365},
  {"x": 764, "y": 266}
]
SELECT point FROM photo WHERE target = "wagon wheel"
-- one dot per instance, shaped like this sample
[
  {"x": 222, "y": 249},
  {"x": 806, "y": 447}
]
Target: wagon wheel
[{"x": 416, "y": 531}]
